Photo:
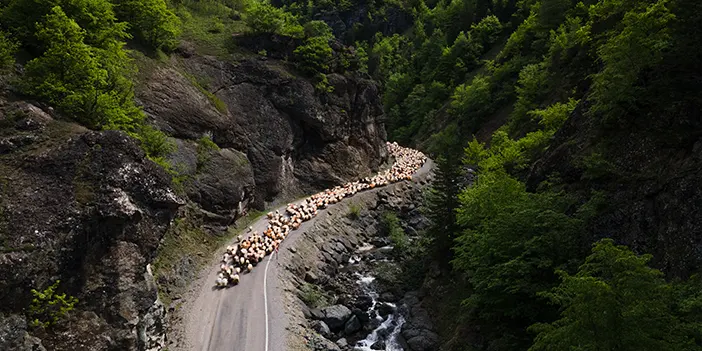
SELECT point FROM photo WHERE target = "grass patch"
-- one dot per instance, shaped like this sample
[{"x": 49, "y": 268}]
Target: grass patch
[
  {"x": 205, "y": 146},
  {"x": 209, "y": 25},
  {"x": 354, "y": 211},
  {"x": 313, "y": 296}
]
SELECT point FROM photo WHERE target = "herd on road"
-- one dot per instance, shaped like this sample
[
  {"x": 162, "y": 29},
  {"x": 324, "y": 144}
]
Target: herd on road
[{"x": 247, "y": 253}]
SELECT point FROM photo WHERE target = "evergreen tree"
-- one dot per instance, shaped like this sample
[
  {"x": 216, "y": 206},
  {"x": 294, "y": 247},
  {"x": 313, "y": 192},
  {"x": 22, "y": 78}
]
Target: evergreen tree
[
  {"x": 614, "y": 302},
  {"x": 442, "y": 202}
]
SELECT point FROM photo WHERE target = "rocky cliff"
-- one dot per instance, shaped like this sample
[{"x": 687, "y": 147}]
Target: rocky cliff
[
  {"x": 292, "y": 138},
  {"x": 89, "y": 208}
]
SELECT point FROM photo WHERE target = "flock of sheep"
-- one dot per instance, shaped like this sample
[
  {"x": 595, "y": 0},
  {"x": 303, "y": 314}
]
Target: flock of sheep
[{"x": 247, "y": 253}]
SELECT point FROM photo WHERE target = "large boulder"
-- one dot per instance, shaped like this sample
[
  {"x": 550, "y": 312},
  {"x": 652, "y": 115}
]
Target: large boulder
[
  {"x": 425, "y": 340},
  {"x": 221, "y": 181},
  {"x": 352, "y": 325},
  {"x": 336, "y": 316},
  {"x": 177, "y": 106},
  {"x": 321, "y": 328}
]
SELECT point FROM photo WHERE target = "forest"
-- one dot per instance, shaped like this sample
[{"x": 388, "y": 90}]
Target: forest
[{"x": 491, "y": 89}]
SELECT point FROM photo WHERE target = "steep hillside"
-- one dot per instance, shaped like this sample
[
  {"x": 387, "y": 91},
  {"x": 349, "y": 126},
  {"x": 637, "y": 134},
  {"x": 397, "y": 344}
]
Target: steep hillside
[
  {"x": 583, "y": 126},
  {"x": 122, "y": 170}
]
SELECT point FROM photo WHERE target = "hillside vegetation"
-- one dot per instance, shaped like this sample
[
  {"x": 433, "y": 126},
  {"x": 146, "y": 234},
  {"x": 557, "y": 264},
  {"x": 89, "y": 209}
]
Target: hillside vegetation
[
  {"x": 562, "y": 129},
  {"x": 573, "y": 120},
  {"x": 566, "y": 135}
]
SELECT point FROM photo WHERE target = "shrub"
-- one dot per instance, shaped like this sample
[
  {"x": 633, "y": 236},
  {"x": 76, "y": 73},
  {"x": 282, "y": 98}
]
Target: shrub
[
  {"x": 312, "y": 295},
  {"x": 317, "y": 29},
  {"x": 7, "y": 51},
  {"x": 263, "y": 17},
  {"x": 398, "y": 237},
  {"x": 205, "y": 145},
  {"x": 154, "y": 142},
  {"x": 48, "y": 307},
  {"x": 354, "y": 211},
  {"x": 314, "y": 55}
]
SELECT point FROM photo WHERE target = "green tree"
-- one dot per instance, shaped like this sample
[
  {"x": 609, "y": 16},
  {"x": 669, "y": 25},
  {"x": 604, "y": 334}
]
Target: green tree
[
  {"x": 262, "y": 17},
  {"x": 614, "y": 302},
  {"x": 487, "y": 31},
  {"x": 150, "y": 21},
  {"x": 7, "y": 51},
  {"x": 68, "y": 73},
  {"x": 458, "y": 60},
  {"x": 314, "y": 55},
  {"x": 512, "y": 243},
  {"x": 442, "y": 203},
  {"x": 639, "y": 46},
  {"x": 95, "y": 17},
  {"x": 471, "y": 102},
  {"x": 84, "y": 82},
  {"x": 318, "y": 29}
]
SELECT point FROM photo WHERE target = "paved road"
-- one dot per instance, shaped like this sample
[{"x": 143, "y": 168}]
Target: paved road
[{"x": 238, "y": 318}]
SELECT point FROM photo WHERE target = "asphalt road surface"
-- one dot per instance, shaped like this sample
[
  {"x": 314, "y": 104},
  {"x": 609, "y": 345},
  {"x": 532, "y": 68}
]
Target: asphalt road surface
[{"x": 249, "y": 316}]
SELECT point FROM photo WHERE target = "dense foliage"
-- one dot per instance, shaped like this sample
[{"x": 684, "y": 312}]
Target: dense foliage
[
  {"x": 79, "y": 63},
  {"x": 635, "y": 306},
  {"x": 151, "y": 22},
  {"x": 529, "y": 66},
  {"x": 484, "y": 86},
  {"x": 7, "y": 51}
]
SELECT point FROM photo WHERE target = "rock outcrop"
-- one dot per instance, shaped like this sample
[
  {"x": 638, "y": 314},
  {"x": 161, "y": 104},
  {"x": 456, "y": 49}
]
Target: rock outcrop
[
  {"x": 296, "y": 139},
  {"x": 87, "y": 208},
  {"x": 650, "y": 180}
]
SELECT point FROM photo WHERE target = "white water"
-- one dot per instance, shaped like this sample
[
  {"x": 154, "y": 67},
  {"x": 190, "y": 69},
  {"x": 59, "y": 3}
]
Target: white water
[{"x": 393, "y": 322}]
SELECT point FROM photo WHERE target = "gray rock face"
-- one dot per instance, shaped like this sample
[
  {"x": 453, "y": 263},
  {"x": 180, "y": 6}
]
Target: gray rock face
[
  {"x": 321, "y": 344},
  {"x": 336, "y": 316},
  {"x": 14, "y": 336},
  {"x": 418, "y": 330},
  {"x": 221, "y": 181},
  {"x": 654, "y": 201},
  {"x": 385, "y": 309},
  {"x": 378, "y": 345},
  {"x": 178, "y": 107},
  {"x": 151, "y": 329},
  {"x": 87, "y": 208},
  {"x": 310, "y": 277},
  {"x": 342, "y": 343},
  {"x": 296, "y": 139}
]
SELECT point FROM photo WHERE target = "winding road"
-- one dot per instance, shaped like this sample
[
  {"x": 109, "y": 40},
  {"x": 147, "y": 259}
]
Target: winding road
[{"x": 249, "y": 316}]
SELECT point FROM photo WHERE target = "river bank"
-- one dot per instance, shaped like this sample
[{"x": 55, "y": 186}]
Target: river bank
[{"x": 341, "y": 285}]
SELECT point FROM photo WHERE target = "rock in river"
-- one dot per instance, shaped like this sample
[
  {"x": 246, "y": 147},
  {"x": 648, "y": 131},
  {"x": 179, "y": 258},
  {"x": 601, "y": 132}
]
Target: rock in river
[{"x": 335, "y": 316}]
